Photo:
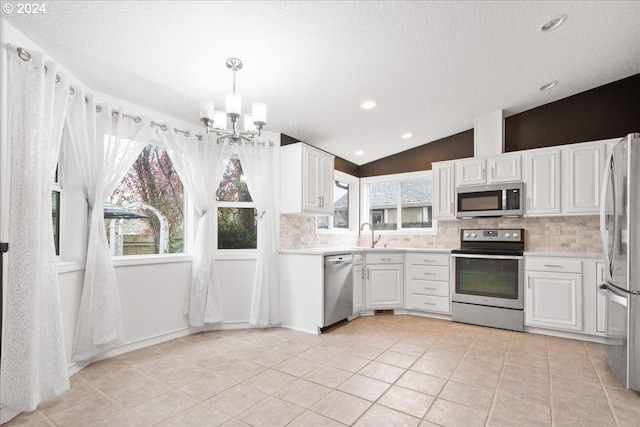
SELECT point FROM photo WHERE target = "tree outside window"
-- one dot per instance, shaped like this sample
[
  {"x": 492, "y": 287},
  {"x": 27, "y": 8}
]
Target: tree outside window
[
  {"x": 152, "y": 187},
  {"x": 237, "y": 224}
]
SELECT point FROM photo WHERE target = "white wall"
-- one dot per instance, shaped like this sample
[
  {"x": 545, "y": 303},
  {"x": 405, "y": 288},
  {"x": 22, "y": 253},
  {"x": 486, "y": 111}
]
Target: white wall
[{"x": 152, "y": 295}]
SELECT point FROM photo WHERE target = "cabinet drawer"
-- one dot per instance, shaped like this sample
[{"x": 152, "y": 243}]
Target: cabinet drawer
[
  {"x": 554, "y": 265},
  {"x": 425, "y": 272},
  {"x": 428, "y": 259},
  {"x": 384, "y": 258},
  {"x": 428, "y": 303},
  {"x": 427, "y": 287}
]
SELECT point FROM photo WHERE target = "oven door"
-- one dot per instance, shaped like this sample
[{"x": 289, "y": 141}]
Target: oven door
[{"x": 491, "y": 280}]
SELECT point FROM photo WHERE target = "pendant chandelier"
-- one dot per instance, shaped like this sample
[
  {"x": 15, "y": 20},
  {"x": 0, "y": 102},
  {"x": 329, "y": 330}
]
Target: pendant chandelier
[{"x": 216, "y": 121}]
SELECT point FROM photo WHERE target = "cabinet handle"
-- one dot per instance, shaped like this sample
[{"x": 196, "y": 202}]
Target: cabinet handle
[
  {"x": 493, "y": 173},
  {"x": 429, "y": 303},
  {"x": 385, "y": 259},
  {"x": 553, "y": 265},
  {"x": 429, "y": 289},
  {"x": 367, "y": 274},
  {"x": 427, "y": 273},
  {"x": 362, "y": 274},
  {"x": 429, "y": 260}
]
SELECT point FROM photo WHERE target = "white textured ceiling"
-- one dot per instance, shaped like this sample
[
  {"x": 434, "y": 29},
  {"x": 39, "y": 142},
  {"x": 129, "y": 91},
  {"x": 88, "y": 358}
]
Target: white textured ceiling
[{"x": 432, "y": 67}]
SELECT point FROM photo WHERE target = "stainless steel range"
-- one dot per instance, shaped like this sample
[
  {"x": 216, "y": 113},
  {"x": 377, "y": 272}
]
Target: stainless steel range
[{"x": 489, "y": 278}]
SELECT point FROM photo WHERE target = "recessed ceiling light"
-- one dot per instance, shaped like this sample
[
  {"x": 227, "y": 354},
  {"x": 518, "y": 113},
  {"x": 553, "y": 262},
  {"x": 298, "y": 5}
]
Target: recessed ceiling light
[
  {"x": 554, "y": 23},
  {"x": 359, "y": 153},
  {"x": 367, "y": 105},
  {"x": 549, "y": 85},
  {"x": 407, "y": 135}
]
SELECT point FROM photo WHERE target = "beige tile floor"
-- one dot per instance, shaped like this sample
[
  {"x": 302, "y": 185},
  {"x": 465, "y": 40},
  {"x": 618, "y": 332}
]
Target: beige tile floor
[{"x": 374, "y": 371}]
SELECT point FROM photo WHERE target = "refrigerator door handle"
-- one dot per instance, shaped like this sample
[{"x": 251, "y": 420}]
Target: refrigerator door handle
[
  {"x": 608, "y": 172},
  {"x": 613, "y": 294}
]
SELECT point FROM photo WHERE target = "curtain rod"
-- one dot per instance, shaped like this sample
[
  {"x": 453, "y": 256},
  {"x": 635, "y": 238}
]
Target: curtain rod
[{"x": 26, "y": 56}]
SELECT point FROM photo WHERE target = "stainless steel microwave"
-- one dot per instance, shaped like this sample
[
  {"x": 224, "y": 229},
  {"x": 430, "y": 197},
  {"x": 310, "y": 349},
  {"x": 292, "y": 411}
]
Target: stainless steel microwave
[{"x": 493, "y": 200}]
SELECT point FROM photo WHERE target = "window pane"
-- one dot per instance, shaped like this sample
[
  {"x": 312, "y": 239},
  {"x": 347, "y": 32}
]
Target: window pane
[
  {"x": 322, "y": 222},
  {"x": 232, "y": 187},
  {"x": 152, "y": 188},
  {"x": 341, "y": 205},
  {"x": 55, "y": 216},
  {"x": 383, "y": 205},
  {"x": 416, "y": 203},
  {"x": 237, "y": 228}
]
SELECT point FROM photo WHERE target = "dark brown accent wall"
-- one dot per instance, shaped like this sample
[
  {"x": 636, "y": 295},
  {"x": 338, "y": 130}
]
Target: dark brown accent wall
[
  {"x": 340, "y": 164},
  {"x": 608, "y": 111},
  {"x": 420, "y": 158}
]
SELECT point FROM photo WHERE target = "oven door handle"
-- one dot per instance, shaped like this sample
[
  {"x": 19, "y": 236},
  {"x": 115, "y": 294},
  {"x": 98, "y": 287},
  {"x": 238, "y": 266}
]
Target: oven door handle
[{"x": 488, "y": 256}]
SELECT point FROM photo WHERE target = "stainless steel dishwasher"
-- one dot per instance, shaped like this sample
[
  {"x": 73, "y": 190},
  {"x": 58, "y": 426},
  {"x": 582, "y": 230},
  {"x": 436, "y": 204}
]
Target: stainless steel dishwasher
[{"x": 338, "y": 289}]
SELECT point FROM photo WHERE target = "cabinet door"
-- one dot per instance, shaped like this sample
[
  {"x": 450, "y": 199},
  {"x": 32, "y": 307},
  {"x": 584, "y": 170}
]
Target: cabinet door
[
  {"x": 554, "y": 300},
  {"x": 317, "y": 178},
  {"x": 358, "y": 281},
  {"x": 543, "y": 183},
  {"x": 583, "y": 177},
  {"x": 505, "y": 168},
  {"x": 384, "y": 286},
  {"x": 444, "y": 193},
  {"x": 471, "y": 172}
]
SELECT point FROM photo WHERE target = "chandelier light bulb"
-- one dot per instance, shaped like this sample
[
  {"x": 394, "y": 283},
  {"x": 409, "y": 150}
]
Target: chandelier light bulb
[
  {"x": 234, "y": 104},
  {"x": 207, "y": 109},
  {"x": 259, "y": 110},
  {"x": 220, "y": 120},
  {"x": 249, "y": 126}
]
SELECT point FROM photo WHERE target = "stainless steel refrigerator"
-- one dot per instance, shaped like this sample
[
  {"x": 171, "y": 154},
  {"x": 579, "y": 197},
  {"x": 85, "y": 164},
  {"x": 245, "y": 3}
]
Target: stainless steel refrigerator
[{"x": 620, "y": 232}]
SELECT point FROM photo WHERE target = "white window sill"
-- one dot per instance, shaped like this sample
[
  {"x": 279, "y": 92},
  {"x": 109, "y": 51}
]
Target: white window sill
[
  {"x": 403, "y": 232},
  {"x": 122, "y": 261}
]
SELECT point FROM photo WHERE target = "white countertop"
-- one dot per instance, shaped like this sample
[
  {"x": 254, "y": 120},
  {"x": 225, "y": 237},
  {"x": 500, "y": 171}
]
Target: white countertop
[
  {"x": 334, "y": 251},
  {"x": 566, "y": 254}
]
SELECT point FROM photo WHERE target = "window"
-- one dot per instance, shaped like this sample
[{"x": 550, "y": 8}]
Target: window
[
  {"x": 237, "y": 224},
  {"x": 398, "y": 202},
  {"x": 148, "y": 216},
  {"x": 345, "y": 205},
  {"x": 56, "y": 191}
]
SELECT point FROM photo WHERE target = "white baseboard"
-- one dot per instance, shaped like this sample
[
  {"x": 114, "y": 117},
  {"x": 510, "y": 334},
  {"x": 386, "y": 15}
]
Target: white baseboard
[
  {"x": 76, "y": 367},
  {"x": 565, "y": 334}
]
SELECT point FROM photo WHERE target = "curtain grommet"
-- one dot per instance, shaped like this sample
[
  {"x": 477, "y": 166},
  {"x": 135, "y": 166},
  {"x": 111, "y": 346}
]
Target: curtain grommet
[{"x": 24, "y": 55}]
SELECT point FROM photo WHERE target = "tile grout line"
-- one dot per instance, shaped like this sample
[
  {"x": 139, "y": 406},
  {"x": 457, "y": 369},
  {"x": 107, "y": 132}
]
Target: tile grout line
[
  {"x": 495, "y": 393},
  {"x": 604, "y": 389}
]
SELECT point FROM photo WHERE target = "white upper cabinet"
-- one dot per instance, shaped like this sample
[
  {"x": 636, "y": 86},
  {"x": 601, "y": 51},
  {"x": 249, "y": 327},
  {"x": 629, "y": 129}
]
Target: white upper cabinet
[
  {"x": 503, "y": 168},
  {"x": 306, "y": 180},
  {"x": 542, "y": 182},
  {"x": 471, "y": 172},
  {"x": 582, "y": 169},
  {"x": 444, "y": 190}
]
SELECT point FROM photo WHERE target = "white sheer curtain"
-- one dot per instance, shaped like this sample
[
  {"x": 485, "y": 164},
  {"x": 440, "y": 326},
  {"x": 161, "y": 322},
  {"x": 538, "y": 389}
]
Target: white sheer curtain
[
  {"x": 200, "y": 165},
  {"x": 34, "y": 365},
  {"x": 106, "y": 145},
  {"x": 258, "y": 168}
]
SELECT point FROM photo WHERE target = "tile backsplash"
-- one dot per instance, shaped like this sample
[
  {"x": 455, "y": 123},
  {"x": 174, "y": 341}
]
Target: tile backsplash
[{"x": 573, "y": 234}]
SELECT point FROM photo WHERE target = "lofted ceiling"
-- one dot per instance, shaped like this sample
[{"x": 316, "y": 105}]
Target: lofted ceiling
[{"x": 432, "y": 67}]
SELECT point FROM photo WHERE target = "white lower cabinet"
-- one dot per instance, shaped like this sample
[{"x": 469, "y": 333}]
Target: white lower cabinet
[
  {"x": 553, "y": 296},
  {"x": 427, "y": 282},
  {"x": 384, "y": 281}
]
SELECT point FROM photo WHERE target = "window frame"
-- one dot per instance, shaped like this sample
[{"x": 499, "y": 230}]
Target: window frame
[
  {"x": 188, "y": 215},
  {"x": 239, "y": 205},
  {"x": 354, "y": 204},
  {"x": 399, "y": 177}
]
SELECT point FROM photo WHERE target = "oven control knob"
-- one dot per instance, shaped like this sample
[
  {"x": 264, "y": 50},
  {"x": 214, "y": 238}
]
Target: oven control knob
[
  {"x": 466, "y": 234},
  {"x": 507, "y": 234},
  {"x": 473, "y": 234},
  {"x": 515, "y": 235}
]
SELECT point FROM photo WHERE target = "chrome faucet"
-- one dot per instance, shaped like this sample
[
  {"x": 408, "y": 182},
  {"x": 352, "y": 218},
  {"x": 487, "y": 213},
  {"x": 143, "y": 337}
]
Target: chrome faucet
[{"x": 373, "y": 239}]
